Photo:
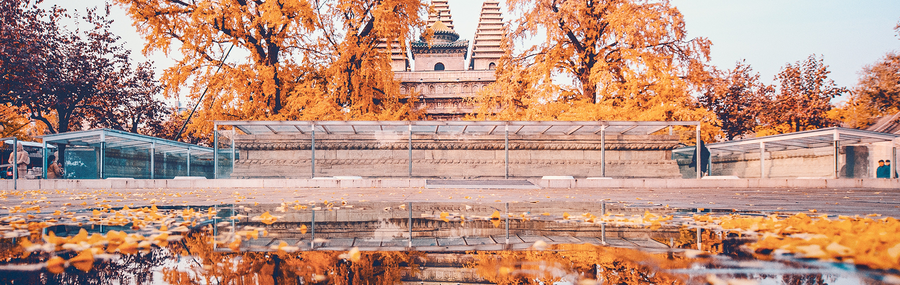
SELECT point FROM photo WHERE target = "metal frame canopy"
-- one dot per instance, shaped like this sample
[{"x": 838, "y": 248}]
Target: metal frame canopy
[
  {"x": 827, "y": 137},
  {"x": 801, "y": 140},
  {"x": 455, "y": 127},
  {"x": 120, "y": 139},
  {"x": 499, "y": 128},
  {"x": 109, "y": 138}
]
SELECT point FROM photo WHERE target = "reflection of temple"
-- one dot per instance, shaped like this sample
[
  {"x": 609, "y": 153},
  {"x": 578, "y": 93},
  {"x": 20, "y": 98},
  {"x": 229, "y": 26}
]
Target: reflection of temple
[
  {"x": 451, "y": 247},
  {"x": 441, "y": 75}
]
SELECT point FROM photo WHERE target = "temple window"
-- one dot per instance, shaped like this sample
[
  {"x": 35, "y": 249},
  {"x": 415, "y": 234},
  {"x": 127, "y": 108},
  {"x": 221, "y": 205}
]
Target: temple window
[
  {"x": 492, "y": 66},
  {"x": 439, "y": 66}
]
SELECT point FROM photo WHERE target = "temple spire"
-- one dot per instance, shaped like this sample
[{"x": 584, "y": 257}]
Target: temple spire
[
  {"x": 486, "y": 50},
  {"x": 442, "y": 14}
]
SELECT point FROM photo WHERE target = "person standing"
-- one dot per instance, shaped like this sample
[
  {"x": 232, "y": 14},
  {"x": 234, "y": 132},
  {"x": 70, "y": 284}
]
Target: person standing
[
  {"x": 704, "y": 159},
  {"x": 21, "y": 160},
  {"x": 881, "y": 172},
  {"x": 887, "y": 169},
  {"x": 53, "y": 170}
]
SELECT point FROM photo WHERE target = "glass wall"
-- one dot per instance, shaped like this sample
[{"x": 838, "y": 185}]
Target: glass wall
[{"x": 104, "y": 153}]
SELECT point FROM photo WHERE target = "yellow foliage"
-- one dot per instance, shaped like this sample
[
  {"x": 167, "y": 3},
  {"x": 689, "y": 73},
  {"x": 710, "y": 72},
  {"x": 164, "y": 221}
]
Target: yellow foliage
[
  {"x": 602, "y": 48},
  {"x": 84, "y": 261},
  {"x": 56, "y": 265},
  {"x": 615, "y": 265},
  {"x": 304, "y": 60},
  {"x": 864, "y": 241}
]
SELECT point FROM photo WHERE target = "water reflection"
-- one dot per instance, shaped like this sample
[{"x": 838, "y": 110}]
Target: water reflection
[{"x": 383, "y": 243}]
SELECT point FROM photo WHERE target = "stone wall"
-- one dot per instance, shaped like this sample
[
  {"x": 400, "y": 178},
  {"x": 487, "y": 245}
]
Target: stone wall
[{"x": 453, "y": 156}]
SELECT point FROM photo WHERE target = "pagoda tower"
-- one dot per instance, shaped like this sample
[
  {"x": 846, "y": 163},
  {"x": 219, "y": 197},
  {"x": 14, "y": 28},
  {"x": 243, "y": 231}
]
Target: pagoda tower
[
  {"x": 445, "y": 51},
  {"x": 444, "y": 81},
  {"x": 486, "y": 51}
]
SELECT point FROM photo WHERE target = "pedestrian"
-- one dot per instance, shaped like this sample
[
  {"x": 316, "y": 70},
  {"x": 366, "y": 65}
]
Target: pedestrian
[
  {"x": 880, "y": 172},
  {"x": 21, "y": 160},
  {"x": 704, "y": 158},
  {"x": 53, "y": 170},
  {"x": 887, "y": 169}
]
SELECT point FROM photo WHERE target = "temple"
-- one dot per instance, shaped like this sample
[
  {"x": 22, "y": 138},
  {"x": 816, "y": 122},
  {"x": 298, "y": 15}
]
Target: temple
[{"x": 441, "y": 74}]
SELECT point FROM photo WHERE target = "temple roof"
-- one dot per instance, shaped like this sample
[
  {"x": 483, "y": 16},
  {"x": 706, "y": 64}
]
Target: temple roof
[{"x": 440, "y": 27}]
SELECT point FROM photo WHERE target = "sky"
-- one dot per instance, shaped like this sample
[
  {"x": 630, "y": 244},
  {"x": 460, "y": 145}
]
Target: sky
[{"x": 766, "y": 33}]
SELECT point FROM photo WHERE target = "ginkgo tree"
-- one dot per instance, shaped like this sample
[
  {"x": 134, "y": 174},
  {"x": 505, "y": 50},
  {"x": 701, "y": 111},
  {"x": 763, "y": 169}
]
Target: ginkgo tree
[
  {"x": 599, "y": 60},
  {"x": 621, "y": 53},
  {"x": 310, "y": 59}
]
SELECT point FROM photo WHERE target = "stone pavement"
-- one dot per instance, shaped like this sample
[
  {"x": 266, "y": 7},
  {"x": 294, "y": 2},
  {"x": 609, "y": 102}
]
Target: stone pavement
[{"x": 844, "y": 201}]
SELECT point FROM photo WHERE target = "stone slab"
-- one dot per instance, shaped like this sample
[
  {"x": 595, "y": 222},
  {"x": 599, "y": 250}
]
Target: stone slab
[
  {"x": 368, "y": 242},
  {"x": 647, "y": 243},
  {"x": 480, "y": 184},
  {"x": 533, "y": 238},
  {"x": 502, "y": 239},
  {"x": 417, "y": 242},
  {"x": 395, "y": 242},
  {"x": 479, "y": 240},
  {"x": 564, "y": 239},
  {"x": 337, "y": 242},
  {"x": 453, "y": 241},
  {"x": 620, "y": 242},
  {"x": 590, "y": 240}
]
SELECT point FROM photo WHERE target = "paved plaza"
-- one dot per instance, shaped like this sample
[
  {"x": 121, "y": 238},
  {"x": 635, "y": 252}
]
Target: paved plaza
[{"x": 843, "y": 201}]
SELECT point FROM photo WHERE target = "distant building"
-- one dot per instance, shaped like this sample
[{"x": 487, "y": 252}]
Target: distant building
[{"x": 440, "y": 73}]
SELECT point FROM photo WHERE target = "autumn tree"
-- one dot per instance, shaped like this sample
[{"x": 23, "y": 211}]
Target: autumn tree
[
  {"x": 803, "y": 98},
  {"x": 81, "y": 76},
  {"x": 600, "y": 60},
  {"x": 627, "y": 60},
  {"x": 875, "y": 94},
  {"x": 14, "y": 124},
  {"x": 737, "y": 97},
  {"x": 25, "y": 34},
  {"x": 879, "y": 84},
  {"x": 614, "y": 49},
  {"x": 136, "y": 109},
  {"x": 305, "y": 59}
]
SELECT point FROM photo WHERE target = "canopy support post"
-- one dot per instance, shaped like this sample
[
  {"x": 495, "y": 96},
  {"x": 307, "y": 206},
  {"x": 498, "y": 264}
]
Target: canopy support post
[
  {"x": 837, "y": 150},
  {"x": 506, "y": 151},
  {"x": 762, "y": 160},
  {"x": 102, "y": 153},
  {"x": 894, "y": 162},
  {"x": 215, "y": 151},
  {"x": 699, "y": 157},
  {"x": 409, "y": 147},
  {"x": 189, "y": 161},
  {"x": 603, "y": 151},
  {"x": 44, "y": 159},
  {"x": 233, "y": 157},
  {"x": 153, "y": 160}
]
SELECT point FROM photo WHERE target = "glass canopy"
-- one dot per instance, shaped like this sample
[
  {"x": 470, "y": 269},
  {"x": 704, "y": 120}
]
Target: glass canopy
[
  {"x": 107, "y": 153},
  {"x": 456, "y": 127}
]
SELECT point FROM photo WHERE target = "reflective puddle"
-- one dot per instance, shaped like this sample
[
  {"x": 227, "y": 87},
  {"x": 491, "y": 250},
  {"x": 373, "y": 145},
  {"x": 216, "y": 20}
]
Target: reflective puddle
[{"x": 442, "y": 243}]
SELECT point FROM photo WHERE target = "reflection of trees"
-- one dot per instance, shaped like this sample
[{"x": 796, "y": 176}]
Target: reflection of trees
[
  {"x": 710, "y": 240},
  {"x": 124, "y": 269},
  {"x": 807, "y": 279},
  {"x": 613, "y": 265},
  {"x": 325, "y": 267}
]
